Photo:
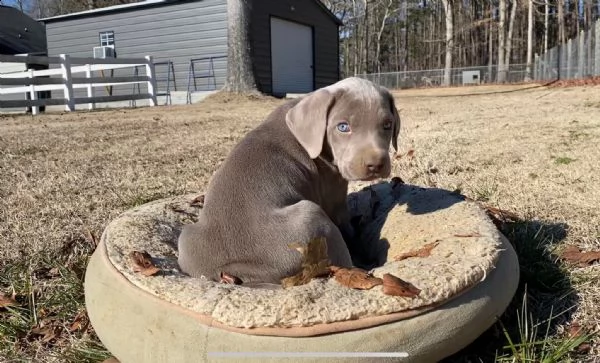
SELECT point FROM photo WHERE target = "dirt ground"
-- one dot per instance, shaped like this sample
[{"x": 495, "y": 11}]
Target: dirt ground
[{"x": 528, "y": 149}]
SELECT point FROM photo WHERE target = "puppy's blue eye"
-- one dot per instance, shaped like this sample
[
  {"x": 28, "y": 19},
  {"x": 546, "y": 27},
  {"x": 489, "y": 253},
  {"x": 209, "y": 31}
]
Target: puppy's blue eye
[
  {"x": 387, "y": 125},
  {"x": 343, "y": 127}
]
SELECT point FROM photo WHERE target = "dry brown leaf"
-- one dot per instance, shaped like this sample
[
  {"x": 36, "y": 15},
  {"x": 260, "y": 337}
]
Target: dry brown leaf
[
  {"x": 467, "y": 235},
  {"x": 583, "y": 348},
  {"x": 315, "y": 262},
  {"x": 198, "y": 201},
  {"x": 355, "y": 278},
  {"x": 573, "y": 254},
  {"x": 6, "y": 301},
  {"x": 395, "y": 286},
  {"x": 424, "y": 251},
  {"x": 499, "y": 216},
  {"x": 410, "y": 153},
  {"x": 142, "y": 263},
  {"x": 47, "y": 333},
  {"x": 91, "y": 237},
  {"x": 230, "y": 279},
  {"x": 80, "y": 322},
  {"x": 575, "y": 330}
]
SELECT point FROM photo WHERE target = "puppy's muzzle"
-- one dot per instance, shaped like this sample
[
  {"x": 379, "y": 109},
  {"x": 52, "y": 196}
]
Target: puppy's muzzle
[{"x": 376, "y": 164}]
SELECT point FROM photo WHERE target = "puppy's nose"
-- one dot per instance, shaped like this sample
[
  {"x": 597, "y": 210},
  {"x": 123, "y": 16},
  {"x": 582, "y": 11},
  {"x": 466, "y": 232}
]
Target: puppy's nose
[
  {"x": 375, "y": 163},
  {"x": 375, "y": 167}
]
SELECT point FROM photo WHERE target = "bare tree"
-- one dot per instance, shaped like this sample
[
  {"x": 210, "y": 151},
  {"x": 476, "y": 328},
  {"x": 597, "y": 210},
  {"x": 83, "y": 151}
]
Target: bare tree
[
  {"x": 387, "y": 10},
  {"x": 240, "y": 76},
  {"x": 561, "y": 21},
  {"x": 546, "y": 22},
  {"x": 449, "y": 41},
  {"x": 509, "y": 39},
  {"x": 529, "y": 40},
  {"x": 502, "y": 42}
]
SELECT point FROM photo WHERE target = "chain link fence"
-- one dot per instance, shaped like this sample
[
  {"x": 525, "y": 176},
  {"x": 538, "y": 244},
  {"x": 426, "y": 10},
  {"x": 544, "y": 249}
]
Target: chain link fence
[
  {"x": 434, "y": 77},
  {"x": 578, "y": 58}
]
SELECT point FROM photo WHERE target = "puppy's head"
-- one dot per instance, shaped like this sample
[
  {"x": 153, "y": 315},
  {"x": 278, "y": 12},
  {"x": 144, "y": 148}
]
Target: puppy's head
[{"x": 354, "y": 122}]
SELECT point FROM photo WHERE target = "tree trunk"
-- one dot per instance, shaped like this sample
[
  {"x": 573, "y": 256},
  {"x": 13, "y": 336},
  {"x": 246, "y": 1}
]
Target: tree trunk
[
  {"x": 240, "y": 77},
  {"x": 502, "y": 42},
  {"x": 449, "y": 41},
  {"x": 490, "y": 77},
  {"x": 529, "y": 41},
  {"x": 511, "y": 26},
  {"x": 405, "y": 6},
  {"x": 366, "y": 48},
  {"x": 561, "y": 22},
  {"x": 385, "y": 17},
  {"x": 546, "y": 15}
]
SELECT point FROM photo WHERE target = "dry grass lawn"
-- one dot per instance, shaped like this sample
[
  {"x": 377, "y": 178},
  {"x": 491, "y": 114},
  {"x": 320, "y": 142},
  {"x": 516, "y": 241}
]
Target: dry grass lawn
[{"x": 529, "y": 150}]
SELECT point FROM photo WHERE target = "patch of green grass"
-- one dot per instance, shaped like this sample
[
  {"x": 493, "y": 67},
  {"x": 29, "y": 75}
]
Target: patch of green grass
[
  {"x": 533, "y": 346},
  {"x": 485, "y": 192},
  {"x": 528, "y": 329},
  {"x": 49, "y": 293},
  {"x": 563, "y": 160}
]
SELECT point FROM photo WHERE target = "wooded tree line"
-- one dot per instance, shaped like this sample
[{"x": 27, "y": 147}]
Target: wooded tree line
[{"x": 400, "y": 35}]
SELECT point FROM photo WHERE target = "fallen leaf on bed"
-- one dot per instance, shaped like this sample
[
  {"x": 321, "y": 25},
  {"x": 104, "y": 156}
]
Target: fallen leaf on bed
[
  {"x": 355, "y": 278},
  {"x": 230, "y": 279},
  {"x": 198, "y": 201},
  {"x": 142, "y": 263},
  {"x": 467, "y": 235},
  {"x": 424, "y": 251},
  {"x": 395, "y": 286},
  {"x": 6, "y": 301},
  {"x": 315, "y": 262},
  {"x": 573, "y": 254}
]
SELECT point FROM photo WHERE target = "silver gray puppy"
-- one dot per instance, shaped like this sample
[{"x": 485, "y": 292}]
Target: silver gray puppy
[{"x": 287, "y": 181}]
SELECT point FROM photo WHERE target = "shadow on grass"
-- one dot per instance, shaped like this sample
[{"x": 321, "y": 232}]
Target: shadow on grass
[{"x": 550, "y": 296}]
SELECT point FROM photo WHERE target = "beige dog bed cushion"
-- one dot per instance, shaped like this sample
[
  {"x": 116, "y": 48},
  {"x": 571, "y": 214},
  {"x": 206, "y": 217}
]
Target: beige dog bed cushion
[{"x": 435, "y": 240}]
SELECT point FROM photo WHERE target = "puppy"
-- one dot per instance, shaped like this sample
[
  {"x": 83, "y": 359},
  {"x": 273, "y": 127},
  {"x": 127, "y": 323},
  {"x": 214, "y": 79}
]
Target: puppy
[{"x": 287, "y": 182}]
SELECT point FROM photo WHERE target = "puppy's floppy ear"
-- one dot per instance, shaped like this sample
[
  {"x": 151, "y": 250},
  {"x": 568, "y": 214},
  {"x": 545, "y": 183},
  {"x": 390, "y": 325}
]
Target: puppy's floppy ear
[
  {"x": 308, "y": 120},
  {"x": 396, "y": 126}
]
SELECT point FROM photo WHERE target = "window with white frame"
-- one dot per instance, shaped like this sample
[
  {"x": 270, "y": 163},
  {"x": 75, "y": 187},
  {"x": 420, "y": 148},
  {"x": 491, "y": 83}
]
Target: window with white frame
[{"x": 107, "y": 38}]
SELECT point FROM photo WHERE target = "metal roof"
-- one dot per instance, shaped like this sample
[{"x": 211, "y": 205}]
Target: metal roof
[
  {"x": 20, "y": 34},
  {"x": 108, "y": 9},
  {"x": 133, "y": 6}
]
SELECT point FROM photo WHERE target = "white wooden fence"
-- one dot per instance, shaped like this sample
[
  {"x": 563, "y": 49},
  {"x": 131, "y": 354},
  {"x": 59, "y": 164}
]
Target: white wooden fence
[{"x": 33, "y": 81}]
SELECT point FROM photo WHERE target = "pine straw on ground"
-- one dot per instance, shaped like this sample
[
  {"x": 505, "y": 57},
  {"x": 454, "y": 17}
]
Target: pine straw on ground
[{"x": 530, "y": 150}]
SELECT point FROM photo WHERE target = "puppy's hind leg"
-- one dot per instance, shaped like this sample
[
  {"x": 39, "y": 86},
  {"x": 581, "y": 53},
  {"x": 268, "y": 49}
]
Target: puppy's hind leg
[
  {"x": 307, "y": 220},
  {"x": 196, "y": 258}
]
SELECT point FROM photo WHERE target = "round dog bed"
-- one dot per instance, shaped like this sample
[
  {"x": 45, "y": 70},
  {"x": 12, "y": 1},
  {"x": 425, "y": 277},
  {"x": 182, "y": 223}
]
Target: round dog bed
[{"x": 464, "y": 270}]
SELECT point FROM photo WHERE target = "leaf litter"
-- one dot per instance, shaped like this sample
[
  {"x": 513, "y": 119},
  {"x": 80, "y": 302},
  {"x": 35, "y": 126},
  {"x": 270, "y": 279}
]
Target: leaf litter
[
  {"x": 142, "y": 263},
  {"x": 315, "y": 264},
  {"x": 574, "y": 255}
]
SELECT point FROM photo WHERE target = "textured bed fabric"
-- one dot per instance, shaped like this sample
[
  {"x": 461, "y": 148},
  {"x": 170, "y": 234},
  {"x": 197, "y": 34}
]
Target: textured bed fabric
[{"x": 404, "y": 216}]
